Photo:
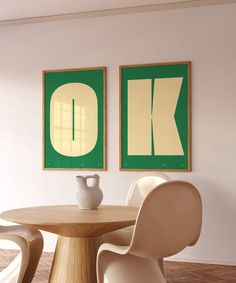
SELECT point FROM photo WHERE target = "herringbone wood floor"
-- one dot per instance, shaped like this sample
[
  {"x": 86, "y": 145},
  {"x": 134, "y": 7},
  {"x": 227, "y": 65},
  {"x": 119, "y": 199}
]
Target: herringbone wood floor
[{"x": 176, "y": 272}]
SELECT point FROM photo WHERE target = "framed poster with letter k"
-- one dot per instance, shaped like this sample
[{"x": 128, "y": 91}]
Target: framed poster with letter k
[{"x": 155, "y": 117}]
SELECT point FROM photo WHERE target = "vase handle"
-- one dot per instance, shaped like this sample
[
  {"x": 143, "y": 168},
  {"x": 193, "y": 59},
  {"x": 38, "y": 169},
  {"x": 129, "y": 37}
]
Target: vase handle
[{"x": 95, "y": 178}]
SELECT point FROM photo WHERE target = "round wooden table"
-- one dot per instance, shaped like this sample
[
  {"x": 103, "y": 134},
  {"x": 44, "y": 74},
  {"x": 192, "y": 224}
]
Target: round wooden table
[{"x": 78, "y": 235}]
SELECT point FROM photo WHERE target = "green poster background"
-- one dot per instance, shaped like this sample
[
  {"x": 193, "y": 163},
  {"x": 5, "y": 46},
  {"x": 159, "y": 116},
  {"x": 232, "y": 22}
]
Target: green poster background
[
  {"x": 182, "y": 117},
  {"x": 95, "y": 78}
]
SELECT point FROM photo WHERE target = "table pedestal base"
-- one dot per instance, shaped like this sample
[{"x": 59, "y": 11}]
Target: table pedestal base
[{"x": 74, "y": 260}]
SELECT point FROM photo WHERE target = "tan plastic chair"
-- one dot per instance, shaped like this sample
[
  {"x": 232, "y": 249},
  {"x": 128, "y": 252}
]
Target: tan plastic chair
[
  {"x": 138, "y": 191},
  {"x": 23, "y": 267},
  {"x": 169, "y": 220}
]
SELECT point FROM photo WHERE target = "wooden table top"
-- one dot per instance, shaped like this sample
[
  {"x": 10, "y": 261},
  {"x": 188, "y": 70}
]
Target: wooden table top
[{"x": 70, "y": 221}]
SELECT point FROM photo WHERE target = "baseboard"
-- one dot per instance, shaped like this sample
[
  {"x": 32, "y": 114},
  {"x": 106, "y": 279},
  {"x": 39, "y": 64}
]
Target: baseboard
[{"x": 187, "y": 260}]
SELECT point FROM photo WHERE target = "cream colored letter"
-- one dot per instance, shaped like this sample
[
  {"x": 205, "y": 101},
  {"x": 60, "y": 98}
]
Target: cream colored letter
[
  {"x": 74, "y": 119},
  {"x": 166, "y": 136},
  {"x": 139, "y": 117}
]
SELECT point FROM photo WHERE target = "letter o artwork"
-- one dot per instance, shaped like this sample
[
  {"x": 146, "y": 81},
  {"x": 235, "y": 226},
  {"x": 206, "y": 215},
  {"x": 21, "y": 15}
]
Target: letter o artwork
[{"x": 74, "y": 119}]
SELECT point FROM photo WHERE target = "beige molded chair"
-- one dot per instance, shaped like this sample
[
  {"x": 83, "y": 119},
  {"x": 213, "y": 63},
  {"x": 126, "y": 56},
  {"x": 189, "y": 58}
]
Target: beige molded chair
[
  {"x": 23, "y": 267},
  {"x": 138, "y": 191},
  {"x": 169, "y": 220}
]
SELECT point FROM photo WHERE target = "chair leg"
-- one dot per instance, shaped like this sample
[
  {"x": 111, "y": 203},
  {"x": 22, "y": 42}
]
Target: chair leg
[
  {"x": 161, "y": 265},
  {"x": 30, "y": 242},
  {"x": 29, "y": 265},
  {"x": 11, "y": 272},
  {"x": 23, "y": 267}
]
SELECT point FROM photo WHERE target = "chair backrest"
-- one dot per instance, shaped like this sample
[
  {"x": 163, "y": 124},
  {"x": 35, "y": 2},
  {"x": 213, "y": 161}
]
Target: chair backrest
[
  {"x": 169, "y": 219},
  {"x": 142, "y": 186}
]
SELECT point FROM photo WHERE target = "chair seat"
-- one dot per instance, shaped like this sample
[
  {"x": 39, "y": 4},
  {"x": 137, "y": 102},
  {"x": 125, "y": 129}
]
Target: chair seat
[{"x": 120, "y": 237}]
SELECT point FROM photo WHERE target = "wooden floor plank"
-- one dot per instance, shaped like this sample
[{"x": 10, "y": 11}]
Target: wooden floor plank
[{"x": 176, "y": 272}]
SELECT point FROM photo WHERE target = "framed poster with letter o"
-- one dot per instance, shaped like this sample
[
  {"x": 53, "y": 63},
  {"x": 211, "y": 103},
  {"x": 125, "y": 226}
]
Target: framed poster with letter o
[
  {"x": 74, "y": 119},
  {"x": 155, "y": 117}
]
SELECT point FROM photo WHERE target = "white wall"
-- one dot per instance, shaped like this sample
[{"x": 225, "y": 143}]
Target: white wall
[{"x": 206, "y": 36}]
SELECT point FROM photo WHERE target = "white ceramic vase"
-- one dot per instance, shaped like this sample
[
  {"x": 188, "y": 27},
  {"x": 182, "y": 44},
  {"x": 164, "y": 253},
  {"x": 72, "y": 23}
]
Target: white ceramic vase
[{"x": 89, "y": 196}]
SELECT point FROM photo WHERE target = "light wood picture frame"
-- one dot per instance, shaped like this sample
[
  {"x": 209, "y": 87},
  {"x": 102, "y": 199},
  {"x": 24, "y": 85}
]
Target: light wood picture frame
[
  {"x": 74, "y": 119},
  {"x": 155, "y": 117}
]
